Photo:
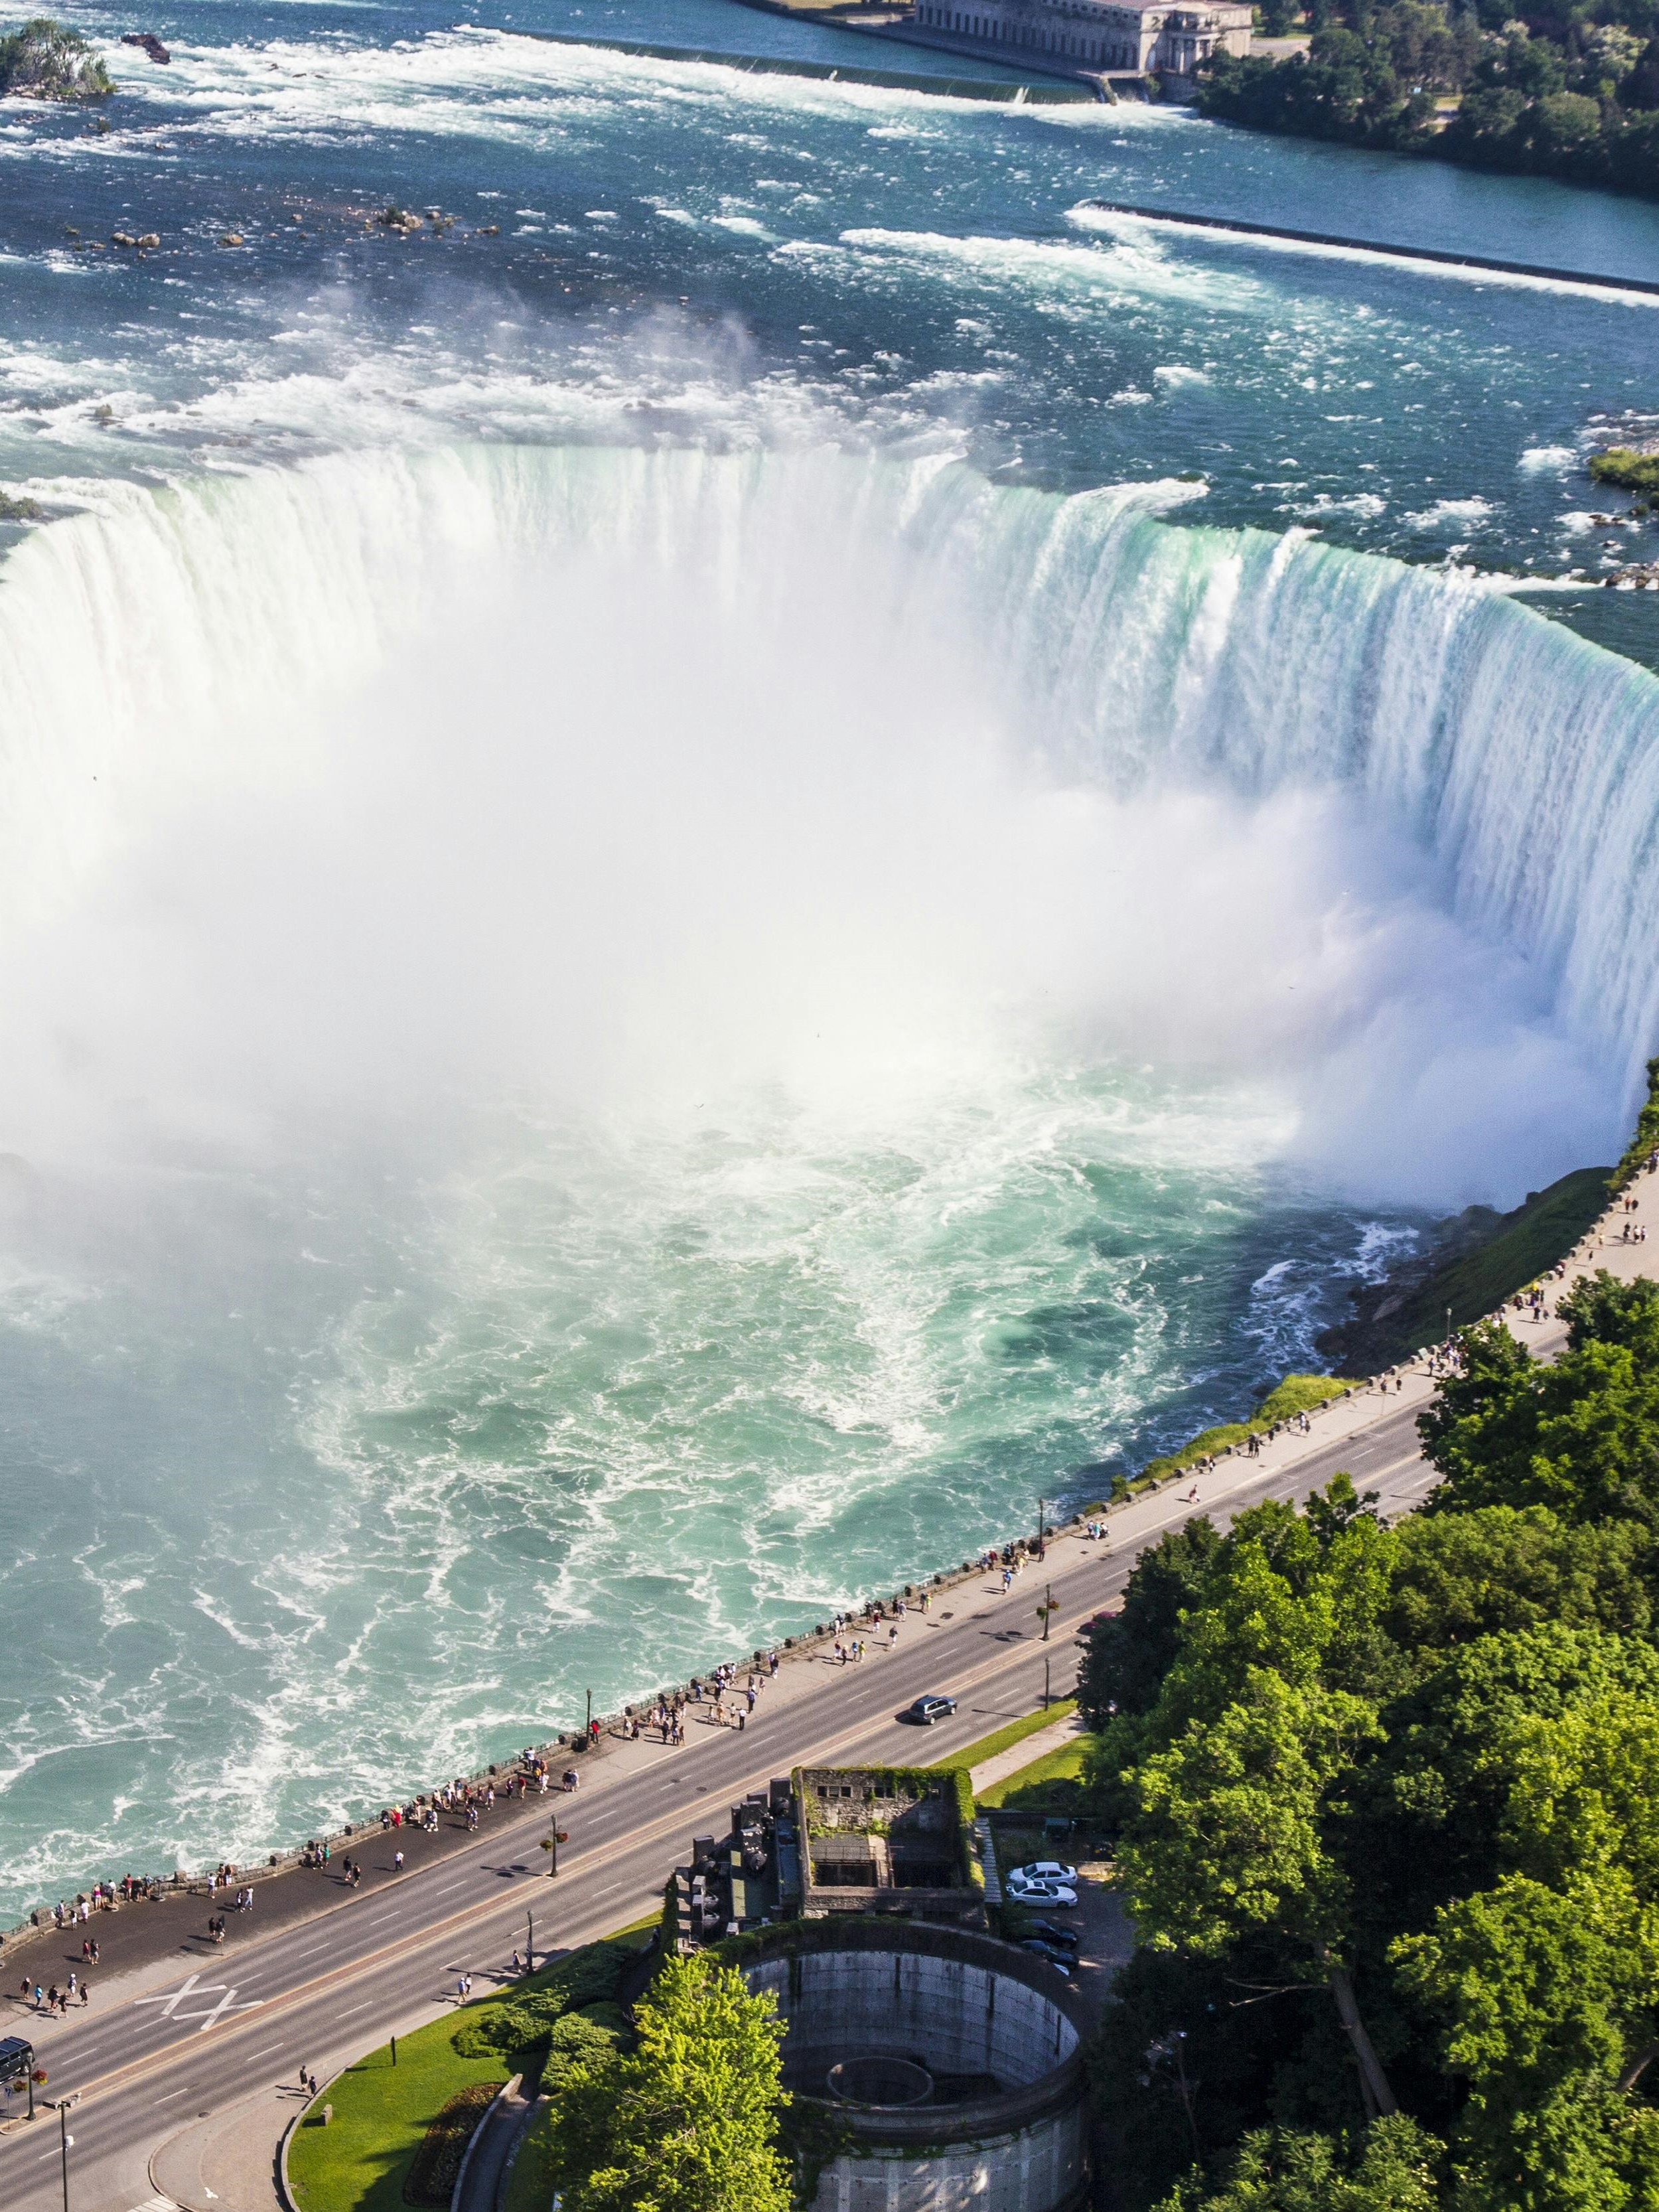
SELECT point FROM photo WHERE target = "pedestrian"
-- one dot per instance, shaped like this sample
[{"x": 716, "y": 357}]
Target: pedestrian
[
  {"x": 86, "y": 1993},
  {"x": 396, "y": 1861}
]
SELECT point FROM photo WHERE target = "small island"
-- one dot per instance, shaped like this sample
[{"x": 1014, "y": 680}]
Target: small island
[
  {"x": 46, "y": 60},
  {"x": 1627, "y": 466}
]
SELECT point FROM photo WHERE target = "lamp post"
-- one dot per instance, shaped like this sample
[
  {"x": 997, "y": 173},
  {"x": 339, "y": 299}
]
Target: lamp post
[
  {"x": 65, "y": 2139},
  {"x": 1042, "y": 1501}
]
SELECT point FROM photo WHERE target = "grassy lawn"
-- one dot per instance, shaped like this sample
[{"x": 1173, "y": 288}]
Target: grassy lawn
[
  {"x": 975, "y": 1754},
  {"x": 359, "y": 2161},
  {"x": 1032, "y": 1788}
]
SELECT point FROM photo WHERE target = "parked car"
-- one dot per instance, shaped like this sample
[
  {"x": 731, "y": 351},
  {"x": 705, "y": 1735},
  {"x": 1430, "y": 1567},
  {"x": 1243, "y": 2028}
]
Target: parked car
[
  {"x": 1052, "y": 1932},
  {"x": 927, "y": 1710},
  {"x": 1052, "y": 1952},
  {"x": 1040, "y": 1893},
  {"x": 1044, "y": 1870}
]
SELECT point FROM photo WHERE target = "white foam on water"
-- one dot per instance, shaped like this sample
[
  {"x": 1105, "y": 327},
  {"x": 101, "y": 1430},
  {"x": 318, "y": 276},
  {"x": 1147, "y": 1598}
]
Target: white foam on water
[
  {"x": 1130, "y": 226},
  {"x": 658, "y": 1120}
]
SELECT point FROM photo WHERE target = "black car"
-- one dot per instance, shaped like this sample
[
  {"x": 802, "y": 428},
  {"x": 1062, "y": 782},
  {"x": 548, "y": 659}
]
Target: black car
[
  {"x": 16, "y": 2058},
  {"x": 927, "y": 1710},
  {"x": 1052, "y": 1952},
  {"x": 1052, "y": 1932}
]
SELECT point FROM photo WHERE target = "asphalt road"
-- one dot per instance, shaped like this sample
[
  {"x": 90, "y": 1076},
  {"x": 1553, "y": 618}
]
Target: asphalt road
[{"x": 231, "y": 2025}]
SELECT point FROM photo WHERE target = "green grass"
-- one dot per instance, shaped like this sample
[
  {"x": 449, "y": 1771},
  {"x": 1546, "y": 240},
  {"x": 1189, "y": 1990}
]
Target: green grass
[
  {"x": 1527, "y": 1243},
  {"x": 1645, "y": 1142},
  {"x": 1296, "y": 1394},
  {"x": 358, "y": 2162},
  {"x": 1004, "y": 1739},
  {"x": 1032, "y": 1788}
]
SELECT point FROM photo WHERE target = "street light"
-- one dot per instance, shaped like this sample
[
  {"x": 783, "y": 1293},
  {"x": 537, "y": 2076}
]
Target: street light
[{"x": 65, "y": 2139}]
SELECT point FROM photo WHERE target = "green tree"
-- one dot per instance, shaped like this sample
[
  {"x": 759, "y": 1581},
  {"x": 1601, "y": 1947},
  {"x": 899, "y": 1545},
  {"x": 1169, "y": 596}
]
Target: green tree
[
  {"x": 689, "y": 2121},
  {"x": 1460, "y": 1575},
  {"x": 46, "y": 60},
  {"x": 1581, "y": 1436},
  {"x": 1230, "y": 1838},
  {"x": 1390, "y": 2169},
  {"x": 1127, "y": 1653},
  {"x": 1546, "y": 1999},
  {"x": 1433, "y": 1813}
]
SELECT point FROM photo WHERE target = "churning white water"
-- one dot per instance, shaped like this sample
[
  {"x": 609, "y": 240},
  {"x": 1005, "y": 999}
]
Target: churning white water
[
  {"x": 644, "y": 777},
  {"x": 606, "y": 1047}
]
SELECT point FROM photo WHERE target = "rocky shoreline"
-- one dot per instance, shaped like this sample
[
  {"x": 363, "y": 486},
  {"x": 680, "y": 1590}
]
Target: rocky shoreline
[{"x": 1475, "y": 1261}]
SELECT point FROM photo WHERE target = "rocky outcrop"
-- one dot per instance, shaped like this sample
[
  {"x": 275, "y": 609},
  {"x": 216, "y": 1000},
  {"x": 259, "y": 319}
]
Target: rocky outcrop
[{"x": 149, "y": 43}]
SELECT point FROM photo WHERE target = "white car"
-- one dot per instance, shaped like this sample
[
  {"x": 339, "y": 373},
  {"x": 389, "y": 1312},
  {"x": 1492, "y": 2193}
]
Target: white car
[
  {"x": 1044, "y": 1870},
  {"x": 1057, "y": 1894}
]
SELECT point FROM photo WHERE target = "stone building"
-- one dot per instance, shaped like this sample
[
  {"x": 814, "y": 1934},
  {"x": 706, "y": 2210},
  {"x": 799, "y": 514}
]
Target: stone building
[
  {"x": 889, "y": 1839},
  {"x": 1105, "y": 36}
]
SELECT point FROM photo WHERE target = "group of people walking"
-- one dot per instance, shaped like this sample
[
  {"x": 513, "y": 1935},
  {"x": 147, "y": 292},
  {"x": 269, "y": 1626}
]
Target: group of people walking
[
  {"x": 55, "y": 2002},
  {"x": 725, "y": 1703}
]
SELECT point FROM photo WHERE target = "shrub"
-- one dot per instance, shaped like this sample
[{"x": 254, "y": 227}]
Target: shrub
[{"x": 46, "y": 60}]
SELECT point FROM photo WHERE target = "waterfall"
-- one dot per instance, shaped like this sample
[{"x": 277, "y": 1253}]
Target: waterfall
[{"x": 171, "y": 639}]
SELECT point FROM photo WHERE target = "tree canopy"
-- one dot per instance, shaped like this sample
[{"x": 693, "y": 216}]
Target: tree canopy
[
  {"x": 686, "y": 2122},
  {"x": 1388, "y": 1811}
]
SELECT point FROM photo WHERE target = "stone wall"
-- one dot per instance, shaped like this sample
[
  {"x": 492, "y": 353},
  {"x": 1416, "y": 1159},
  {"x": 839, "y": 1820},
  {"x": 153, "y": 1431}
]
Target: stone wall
[
  {"x": 1013, "y": 2136},
  {"x": 954, "y": 2016},
  {"x": 1038, "y": 2169}
]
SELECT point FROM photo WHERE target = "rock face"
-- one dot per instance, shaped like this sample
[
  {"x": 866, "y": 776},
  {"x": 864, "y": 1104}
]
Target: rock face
[
  {"x": 150, "y": 43},
  {"x": 46, "y": 60}
]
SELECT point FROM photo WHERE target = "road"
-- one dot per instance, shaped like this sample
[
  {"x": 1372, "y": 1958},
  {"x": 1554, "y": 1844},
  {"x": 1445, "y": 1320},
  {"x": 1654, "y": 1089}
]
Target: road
[{"x": 200, "y": 2036}]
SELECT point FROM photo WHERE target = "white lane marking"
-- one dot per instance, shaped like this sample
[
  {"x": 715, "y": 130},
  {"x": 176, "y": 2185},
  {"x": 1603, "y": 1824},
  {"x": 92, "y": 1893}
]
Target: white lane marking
[
  {"x": 169, "y": 2097},
  {"x": 351, "y": 2008},
  {"x": 196, "y": 1987},
  {"x": 270, "y": 2051}
]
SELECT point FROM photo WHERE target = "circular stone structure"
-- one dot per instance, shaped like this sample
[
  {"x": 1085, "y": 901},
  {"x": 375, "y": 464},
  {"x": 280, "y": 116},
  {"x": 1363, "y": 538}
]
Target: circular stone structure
[
  {"x": 992, "y": 2031},
  {"x": 888, "y": 2084}
]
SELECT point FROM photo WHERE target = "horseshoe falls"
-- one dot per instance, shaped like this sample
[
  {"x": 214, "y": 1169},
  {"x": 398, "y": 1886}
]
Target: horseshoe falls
[{"x": 760, "y": 847}]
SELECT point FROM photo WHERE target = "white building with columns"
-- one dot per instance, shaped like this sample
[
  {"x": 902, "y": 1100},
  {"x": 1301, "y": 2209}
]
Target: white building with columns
[{"x": 1145, "y": 36}]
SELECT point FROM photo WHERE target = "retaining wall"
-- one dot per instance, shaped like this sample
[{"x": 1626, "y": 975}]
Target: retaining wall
[{"x": 959, "y": 2004}]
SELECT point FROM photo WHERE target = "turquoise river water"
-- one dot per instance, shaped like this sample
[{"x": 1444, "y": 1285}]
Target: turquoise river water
[{"x": 705, "y": 877}]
